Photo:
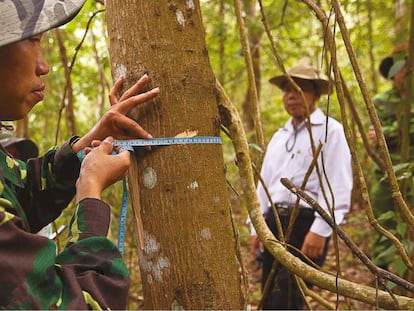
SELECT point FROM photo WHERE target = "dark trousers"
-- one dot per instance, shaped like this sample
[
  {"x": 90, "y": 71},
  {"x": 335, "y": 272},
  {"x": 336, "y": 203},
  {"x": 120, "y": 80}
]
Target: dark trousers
[{"x": 283, "y": 293}]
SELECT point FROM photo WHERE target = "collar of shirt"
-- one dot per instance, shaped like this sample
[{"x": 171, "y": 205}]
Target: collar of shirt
[{"x": 316, "y": 118}]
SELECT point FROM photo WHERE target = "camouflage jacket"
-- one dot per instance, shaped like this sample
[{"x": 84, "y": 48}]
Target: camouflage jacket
[
  {"x": 390, "y": 107},
  {"x": 88, "y": 273}
]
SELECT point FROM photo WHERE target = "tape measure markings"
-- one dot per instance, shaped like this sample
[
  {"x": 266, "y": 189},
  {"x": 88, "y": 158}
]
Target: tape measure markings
[
  {"x": 123, "y": 217},
  {"x": 166, "y": 141},
  {"x": 129, "y": 144}
]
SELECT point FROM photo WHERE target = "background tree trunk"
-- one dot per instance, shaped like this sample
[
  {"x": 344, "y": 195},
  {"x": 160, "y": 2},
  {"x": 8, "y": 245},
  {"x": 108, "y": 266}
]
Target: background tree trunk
[
  {"x": 255, "y": 36},
  {"x": 22, "y": 128},
  {"x": 70, "y": 116},
  {"x": 190, "y": 256}
]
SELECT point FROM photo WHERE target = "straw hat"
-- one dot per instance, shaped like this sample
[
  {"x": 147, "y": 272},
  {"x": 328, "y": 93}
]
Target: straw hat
[
  {"x": 25, "y": 18},
  {"x": 306, "y": 72}
]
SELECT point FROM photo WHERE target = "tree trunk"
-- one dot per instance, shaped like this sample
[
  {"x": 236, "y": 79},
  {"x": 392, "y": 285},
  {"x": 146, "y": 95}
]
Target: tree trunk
[
  {"x": 255, "y": 36},
  {"x": 22, "y": 128},
  {"x": 190, "y": 254},
  {"x": 70, "y": 115}
]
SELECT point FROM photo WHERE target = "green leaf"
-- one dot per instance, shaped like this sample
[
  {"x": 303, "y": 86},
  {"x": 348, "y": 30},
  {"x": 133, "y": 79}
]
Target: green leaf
[{"x": 256, "y": 147}]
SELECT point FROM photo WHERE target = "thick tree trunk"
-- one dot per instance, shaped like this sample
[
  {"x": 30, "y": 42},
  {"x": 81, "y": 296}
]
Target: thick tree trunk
[{"x": 190, "y": 256}]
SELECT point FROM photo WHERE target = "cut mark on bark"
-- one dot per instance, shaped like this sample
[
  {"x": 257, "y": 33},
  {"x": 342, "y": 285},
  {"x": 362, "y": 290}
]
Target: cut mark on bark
[
  {"x": 193, "y": 185},
  {"x": 149, "y": 178},
  {"x": 120, "y": 70},
  {"x": 206, "y": 234},
  {"x": 190, "y": 4},
  {"x": 180, "y": 17},
  {"x": 152, "y": 262}
]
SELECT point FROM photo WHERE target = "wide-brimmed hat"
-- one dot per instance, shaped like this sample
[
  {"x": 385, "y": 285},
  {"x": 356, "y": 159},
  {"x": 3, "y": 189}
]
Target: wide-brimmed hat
[
  {"x": 27, "y": 148},
  {"x": 21, "y": 19},
  {"x": 394, "y": 62},
  {"x": 306, "y": 72}
]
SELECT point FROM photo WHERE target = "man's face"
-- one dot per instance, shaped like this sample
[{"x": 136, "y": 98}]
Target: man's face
[
  {"x": 399, "y": 79},
  {"x": 21, "y": 66},
  {"x": 293, "y": 102}
]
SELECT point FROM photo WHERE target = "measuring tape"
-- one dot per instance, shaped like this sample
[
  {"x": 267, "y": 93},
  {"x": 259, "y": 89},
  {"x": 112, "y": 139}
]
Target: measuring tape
[
  {"x": 129, "y": 144},
  {"x": 123, "y": 216}
]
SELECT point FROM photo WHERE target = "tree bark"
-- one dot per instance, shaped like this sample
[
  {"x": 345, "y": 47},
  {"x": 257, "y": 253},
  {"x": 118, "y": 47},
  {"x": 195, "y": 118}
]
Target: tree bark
[
  {"x": 255, "y": 36},
  {"x": 190, "y": 254},
  {"x": 70, "y": 115}
]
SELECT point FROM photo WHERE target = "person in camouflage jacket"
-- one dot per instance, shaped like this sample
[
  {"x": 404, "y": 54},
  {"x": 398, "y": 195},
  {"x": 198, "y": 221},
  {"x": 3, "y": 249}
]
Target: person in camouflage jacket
[{"x": 89, "y": 273}]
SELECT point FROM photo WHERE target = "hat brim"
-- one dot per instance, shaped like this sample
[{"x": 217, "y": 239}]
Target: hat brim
[
  {"x": 280, "y": 81},
  {"x": 20, "y": 20}
]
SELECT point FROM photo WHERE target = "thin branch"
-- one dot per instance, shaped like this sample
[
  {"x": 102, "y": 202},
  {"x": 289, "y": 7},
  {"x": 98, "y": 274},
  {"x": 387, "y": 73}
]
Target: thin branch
[
  {"x": 308, "y": 292},
  {"x": 69, "y": 72},
  {"x": 355, "y": 116}
]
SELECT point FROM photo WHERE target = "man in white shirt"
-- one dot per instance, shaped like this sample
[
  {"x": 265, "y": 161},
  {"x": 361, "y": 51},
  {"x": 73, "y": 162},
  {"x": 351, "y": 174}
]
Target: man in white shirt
[{"x": 289, "y": 155}]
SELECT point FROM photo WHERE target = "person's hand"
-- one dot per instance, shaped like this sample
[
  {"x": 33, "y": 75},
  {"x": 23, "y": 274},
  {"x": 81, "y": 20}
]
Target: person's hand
[
  {"x": 100, "y": 169},
  {"x": 256, "y": 244},
  {"x": 373, "y": 136},
  {"x": 114, "y": 122},
  {"x": 313, "y": 245}
]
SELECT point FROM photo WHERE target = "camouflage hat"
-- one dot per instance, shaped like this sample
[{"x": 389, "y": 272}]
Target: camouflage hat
[{"x": 21, "y": 19}]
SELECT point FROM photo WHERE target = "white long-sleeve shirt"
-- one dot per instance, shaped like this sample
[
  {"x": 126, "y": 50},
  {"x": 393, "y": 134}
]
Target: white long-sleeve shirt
[{"x": 290, "y": 157}]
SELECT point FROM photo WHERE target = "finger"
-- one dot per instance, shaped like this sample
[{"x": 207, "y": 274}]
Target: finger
[
  {"x": 126, "y": 105},
  {"x": 305, "y": 250},
  {"x": 87, "y": 150},
  {"x": 95, "y": 143},
  {"x": 124, "y": 158},
  {"x": 133, "y": 90},
  {"x": 319, "y": 252},
  {"x": 313, "y": 252},
  {"x": 107, "y": 145},
  {"x": 131, "y": 129},
  {"x": 113, "y": 94},
  {"x": 125, "y": 154}
]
